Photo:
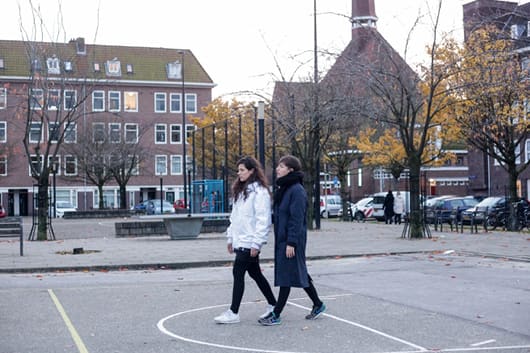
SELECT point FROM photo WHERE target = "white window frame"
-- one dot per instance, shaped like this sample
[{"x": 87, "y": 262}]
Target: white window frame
[
  {"x": 70, "y": 159},
  {"x": 191, "y": 100},
  {"x": 114, "y": 96},
  {"x": 160, "y": 160},
  {"x": 3, "y": 98},
  {"x": 176, "y": 164},
  {"x": 70, "y": 132},
  {"x": 36, "y": 98},
  {"x": 96, "y": 128},
  {"x": 178, "y": 134},
  {"x": 98, "y": 97},
  {"x": 57, "y": 162},
  {"x": 34, "y": 125},
  {"x": 160, "y": 129},
  {"x": 3, "y": 131},
  {"x": 128, "y": 129},
  {"x": 114, "y": 132},
  {"x": 174, "y": 70},
  {"x": 34, "y": 160},
  {"x": 70, "y": 99},
  {"x": 56, "y": 93},
  {"x": 175, "y": 99},
  {"x": 190, "y": 128},
  {"x": 53, "y": 66},
  {"x": 160, "y": 97},
  {"x": 127, "y": 97},
  {"x": 136, "y": 168},
  {"x": 54, "y": 131}
]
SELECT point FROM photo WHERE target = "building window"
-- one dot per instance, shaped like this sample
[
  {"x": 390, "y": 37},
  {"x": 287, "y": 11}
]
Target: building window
[
  {"x": 3, "y": 131},
  {"x": 191, "y": 103},
  {"x": 517, "y": 31},
  {"x": 176, "y": 165},
  {"x": 3, "y": 165},
  {"x": 114, "y": 101},
  {"x": 68, "y": 66},
  {"x": 53, "y": 66},
  {"x": 115, "y": 132},
  {"x": 54, "y": 99},
  {"x": 55, "y": 162},
  {"x": 130, "y": 101},
  {"x": 36, "y": 65},
  {"x": 189, "y": 132},
  {"x": 3, "y": 98},
  {"x": 160, "y": 102},
  {"x": 35, "y": 132},
  {"x": 2, "y": 65},
  {"x": 70, "y": 132},
  {"x": 53, "y": 131},
  {"x": 133, "y": 160},
  {"x": 175, "y": 101},
  {"x": 174, "y": 70},
  {"x": 70, "y": 99},
  {"x": 37, "y": 99},
  {"x": 131, "y": 133},
  {"x": 35, "y": 163},
  {"x": 129, "y": 68},
  {"x": 97, "y": 68},
  {"x": 113, "y": 68},
  {"x": 98, "y": 101},
  {"x": 160, "y": 165},
  {"x": 176, "y": 134},
  {"x": 98, "y": 130},
  {"x": 160, "y": 133}
]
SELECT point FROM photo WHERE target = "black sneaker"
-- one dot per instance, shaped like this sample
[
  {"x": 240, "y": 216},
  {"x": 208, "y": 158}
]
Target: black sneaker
[
  {"x": 316, "y": 311},
  {"x": 270, "y": 320}
]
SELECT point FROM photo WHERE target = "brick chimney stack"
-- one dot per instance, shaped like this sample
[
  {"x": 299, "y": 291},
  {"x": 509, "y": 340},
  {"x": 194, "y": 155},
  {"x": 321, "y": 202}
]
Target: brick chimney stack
[{"x": 363, "y": 13}]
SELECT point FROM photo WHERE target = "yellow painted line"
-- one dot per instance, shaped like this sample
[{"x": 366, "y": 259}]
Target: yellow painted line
[{"x": 75, "y": 336}]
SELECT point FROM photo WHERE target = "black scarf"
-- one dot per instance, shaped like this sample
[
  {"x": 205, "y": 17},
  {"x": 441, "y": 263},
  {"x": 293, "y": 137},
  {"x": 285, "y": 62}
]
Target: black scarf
[{"x": 284, "y": 183}]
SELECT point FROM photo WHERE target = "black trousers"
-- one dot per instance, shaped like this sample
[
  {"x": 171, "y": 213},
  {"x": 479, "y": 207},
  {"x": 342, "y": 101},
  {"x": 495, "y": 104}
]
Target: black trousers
[
  {"x": 246, "y": 263},
  {"x": 284, "y": 295}
]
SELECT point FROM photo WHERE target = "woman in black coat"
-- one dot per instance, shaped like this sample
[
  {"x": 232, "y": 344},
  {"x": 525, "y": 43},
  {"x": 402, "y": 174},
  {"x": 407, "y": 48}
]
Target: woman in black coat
[{"x": 290, "y": 235}]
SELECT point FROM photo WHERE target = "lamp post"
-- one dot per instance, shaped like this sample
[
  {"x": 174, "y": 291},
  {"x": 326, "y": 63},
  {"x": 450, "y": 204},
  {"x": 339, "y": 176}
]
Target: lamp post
[{"x": 183, "y": 107}]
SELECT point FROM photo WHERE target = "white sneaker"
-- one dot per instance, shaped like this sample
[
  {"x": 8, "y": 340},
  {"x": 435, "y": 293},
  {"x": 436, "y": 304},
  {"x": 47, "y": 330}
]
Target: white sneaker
[
  {"x": 228, "y": 317},
  {"x": 270, "y": 309}
]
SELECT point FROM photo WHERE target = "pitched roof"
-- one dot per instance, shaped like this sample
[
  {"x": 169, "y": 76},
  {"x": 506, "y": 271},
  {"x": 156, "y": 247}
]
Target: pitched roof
[{"x": 148, "y": 64}]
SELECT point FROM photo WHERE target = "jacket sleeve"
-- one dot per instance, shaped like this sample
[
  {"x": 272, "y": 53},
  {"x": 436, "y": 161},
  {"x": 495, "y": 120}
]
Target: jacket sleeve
[
  {"x": 229, "y": 236},
  {"x": 262, "y": 213},
  {"x": 297, "y": 214}
]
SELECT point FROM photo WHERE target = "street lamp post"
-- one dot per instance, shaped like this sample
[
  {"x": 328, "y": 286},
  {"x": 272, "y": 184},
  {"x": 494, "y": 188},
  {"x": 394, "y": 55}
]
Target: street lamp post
[{"x": 183, "y": 107}]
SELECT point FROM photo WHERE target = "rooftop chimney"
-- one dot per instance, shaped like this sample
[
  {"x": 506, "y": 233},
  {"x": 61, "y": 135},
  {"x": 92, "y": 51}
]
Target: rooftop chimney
[{"x": 363, "y": 13}]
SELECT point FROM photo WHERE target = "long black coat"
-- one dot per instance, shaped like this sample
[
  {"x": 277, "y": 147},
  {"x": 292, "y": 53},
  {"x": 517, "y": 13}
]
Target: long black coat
[{"x": 290, "y": 227}]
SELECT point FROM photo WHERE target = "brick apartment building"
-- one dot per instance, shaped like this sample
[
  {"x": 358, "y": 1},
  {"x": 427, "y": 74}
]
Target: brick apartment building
[{"x": 131, "y": 94}]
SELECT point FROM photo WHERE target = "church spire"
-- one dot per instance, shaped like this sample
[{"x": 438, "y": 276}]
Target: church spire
[{"x": 363, "y": 13}]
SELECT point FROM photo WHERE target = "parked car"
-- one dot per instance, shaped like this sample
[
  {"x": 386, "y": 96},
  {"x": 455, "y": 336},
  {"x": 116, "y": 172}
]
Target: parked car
[
  {"x": 379, "y": 199},
  {"x": 494, "y": 208},
  {"x": 362, "y": 209},
  {"x": 330, "y": 206},
  {"x": 444, "y": 209},
  {"x": 152, "y": 207},
  {"x": 61, "y": 207},
  {"x": 3, "y": 212}
]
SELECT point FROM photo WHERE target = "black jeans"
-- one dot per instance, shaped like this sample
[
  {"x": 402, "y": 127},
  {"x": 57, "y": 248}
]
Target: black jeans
[
  {"x": 284, "y": 295},
  {"x": 246, "y": 263}
]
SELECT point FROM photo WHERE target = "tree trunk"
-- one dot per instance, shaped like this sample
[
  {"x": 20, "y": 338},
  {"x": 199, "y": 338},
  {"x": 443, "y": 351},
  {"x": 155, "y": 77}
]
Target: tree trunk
[
  {"x": 101, "y": 204},
  {"x": 416, "y": 216},
  {"x": 123, "y": 196},
  {"x": 43, "y": 208}
]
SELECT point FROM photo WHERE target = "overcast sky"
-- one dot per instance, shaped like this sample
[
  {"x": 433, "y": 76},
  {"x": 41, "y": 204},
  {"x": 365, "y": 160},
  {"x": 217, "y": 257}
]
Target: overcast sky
[{"x": 240, "y": 43}]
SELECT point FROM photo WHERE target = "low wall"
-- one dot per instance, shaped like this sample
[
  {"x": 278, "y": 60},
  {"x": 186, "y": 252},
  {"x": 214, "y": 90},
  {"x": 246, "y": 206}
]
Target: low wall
[
  {"x": 111, "y": 213},
  {"x": 156, "y": 228}
]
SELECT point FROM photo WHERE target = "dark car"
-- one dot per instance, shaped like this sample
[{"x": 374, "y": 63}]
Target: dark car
[
  {"x": 448, "y": 210},
  {"x": 495, "y": 209}
]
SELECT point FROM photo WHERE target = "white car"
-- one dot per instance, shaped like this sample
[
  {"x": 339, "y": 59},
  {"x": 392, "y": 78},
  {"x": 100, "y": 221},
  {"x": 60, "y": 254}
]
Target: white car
[
  {"x": 330, "y": 206},
  {"x": 61, "y": 207},
  {"x": 362, "y": 209}
]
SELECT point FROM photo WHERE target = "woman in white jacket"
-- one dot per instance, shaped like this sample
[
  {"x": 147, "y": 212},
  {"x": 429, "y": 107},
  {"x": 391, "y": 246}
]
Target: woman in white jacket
[{"x": 250, "y": 223}]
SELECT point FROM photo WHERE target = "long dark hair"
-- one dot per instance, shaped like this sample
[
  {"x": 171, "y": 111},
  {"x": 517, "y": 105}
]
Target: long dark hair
[{"x": 240, "y": 187}]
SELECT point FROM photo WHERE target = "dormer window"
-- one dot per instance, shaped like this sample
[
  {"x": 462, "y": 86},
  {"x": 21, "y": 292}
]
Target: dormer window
[
  {"x": 53, "y": 66},
  {"x": 97, "y": 68},
  {"x": 129, "y": 68},
  {"x": 36, "y": 65},
  {"x": 68, "y": 67},
  {"x": 113, "y": 67},
  {"x": 517, "y": 31},
  {"x": 2, "y": 63},
  {"x": 174, "y": 70}
]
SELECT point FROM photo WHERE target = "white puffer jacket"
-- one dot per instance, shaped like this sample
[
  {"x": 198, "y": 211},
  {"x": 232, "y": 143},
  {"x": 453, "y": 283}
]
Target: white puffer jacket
[{"x": 250, "y": 220}]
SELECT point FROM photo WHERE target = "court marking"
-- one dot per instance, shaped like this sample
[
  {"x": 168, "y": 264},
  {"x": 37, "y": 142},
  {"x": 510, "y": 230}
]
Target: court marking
[
  {"x": 474, "y": 348},
  {"x": 73, "y": 332}
]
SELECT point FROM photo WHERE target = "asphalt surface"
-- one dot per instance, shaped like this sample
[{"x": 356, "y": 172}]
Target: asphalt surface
[{"x": 103, "y": 251}]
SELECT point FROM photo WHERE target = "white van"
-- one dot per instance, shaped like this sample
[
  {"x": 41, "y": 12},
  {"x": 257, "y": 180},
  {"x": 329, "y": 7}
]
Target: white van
[
  {"x": 330, "y": 206},
  {"x": 379, "y": 200}
]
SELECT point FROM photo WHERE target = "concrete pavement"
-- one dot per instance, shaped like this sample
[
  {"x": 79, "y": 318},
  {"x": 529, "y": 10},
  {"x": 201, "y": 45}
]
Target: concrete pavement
[{"x": 103, "y": 251}]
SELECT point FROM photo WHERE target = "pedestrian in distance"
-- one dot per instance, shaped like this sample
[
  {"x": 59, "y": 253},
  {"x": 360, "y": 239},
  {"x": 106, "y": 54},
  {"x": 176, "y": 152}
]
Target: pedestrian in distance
[
  {"x": 388, "y": 207},
  {"x": 290, "y": 236},
  {"x": 399, "y": 207},
  {"x": 250, "y": 223}
]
